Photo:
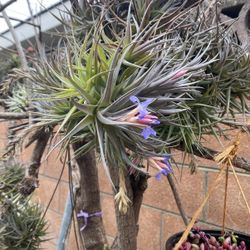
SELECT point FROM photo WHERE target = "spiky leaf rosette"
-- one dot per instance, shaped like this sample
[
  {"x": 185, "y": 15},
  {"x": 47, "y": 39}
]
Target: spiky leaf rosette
[
  {"x": 165, "y": 57},
  {"x": 90, "y": 90},
  {"x": 21, "y": 222}
]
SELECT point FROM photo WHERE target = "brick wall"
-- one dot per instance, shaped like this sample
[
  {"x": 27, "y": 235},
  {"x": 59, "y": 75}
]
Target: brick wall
[{"x": 159, "y": 216}]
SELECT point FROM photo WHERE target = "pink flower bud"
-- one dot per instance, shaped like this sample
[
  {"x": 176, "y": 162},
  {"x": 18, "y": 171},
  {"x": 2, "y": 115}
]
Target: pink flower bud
[{"x": 179, "y": 74}]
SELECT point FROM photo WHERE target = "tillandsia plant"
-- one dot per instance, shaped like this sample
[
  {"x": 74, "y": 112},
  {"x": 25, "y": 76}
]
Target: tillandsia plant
[
  {"x": 145, "y": 77},
  {"x": 19, "y": 101},
  {"x": 122, "y": 94},
  {"x": 21, "y": 222}
]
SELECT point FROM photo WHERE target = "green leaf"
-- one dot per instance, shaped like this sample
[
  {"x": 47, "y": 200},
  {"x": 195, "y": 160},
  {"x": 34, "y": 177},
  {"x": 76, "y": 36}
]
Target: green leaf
[{"x": 101, "y": 144}]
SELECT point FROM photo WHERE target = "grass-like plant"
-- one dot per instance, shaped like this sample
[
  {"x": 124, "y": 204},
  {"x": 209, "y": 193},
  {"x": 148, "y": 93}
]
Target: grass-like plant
[{"x": 22, "y": 225}]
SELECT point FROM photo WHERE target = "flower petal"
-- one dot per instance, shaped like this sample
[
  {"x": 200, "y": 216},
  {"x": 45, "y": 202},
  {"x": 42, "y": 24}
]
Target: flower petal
[
  {"x": 147, "y": 102},
  {"x": 167, "y": 163},
  {"x": 134, "y": 99},
  {"x": 164, "y": 171},
  {"x": 142, "y": 112},
  {"x": 147, "y": 132},
  {"x": 143, "y": 107},
  {"x": 158, "y": 176}
]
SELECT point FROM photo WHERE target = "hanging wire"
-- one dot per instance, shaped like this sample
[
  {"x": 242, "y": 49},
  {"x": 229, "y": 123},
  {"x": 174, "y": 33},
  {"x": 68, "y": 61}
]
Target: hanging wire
[
  {"x": 52, "y": 196},
  {"x": 56, "y": 187},
  {"x": 72, "y": 196}
]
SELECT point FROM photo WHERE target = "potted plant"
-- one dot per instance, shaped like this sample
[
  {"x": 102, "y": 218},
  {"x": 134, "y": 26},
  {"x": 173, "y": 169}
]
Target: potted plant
[
  {"x": 210, "y": 240},
  {"x": 193, "y": 237}
]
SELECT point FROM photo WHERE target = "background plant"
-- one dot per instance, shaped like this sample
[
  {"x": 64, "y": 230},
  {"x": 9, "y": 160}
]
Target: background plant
[{"x": 21, "y": 223}]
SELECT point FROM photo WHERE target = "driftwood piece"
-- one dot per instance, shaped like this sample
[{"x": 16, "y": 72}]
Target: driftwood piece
[
  {"x": 240, "y": 25},
  {"x": 30, "y": 182},
  {"x": 139, "y": 185},
  {"x": 13, "y": 115},
  {"x": 126, "y": 223},
  {"x": 87, "y": 199},
  {"x": 209, "y": 154}
]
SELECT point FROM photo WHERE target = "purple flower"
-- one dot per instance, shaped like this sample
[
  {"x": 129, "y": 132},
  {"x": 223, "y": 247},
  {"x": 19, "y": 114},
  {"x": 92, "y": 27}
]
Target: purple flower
[
  {"x": 162, "y": 164},
  {"x": 149, "y": 119},
  {"x": 164, "y": 171},
  {"x": 141, "y": 117},
  {"x": 142, "y": 106},
  {"x": 166, "y": 161},
  {"x": 147, "y": 132}
]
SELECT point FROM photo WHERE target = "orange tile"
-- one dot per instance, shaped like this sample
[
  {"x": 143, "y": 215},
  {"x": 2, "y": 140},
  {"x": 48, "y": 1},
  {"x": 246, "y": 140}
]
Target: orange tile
[
  {"x": 26, "y": 153},
  {"x": 53, "y": 165},
  {"x": 237, "y": 215},
  {"x": 63, "y": 194},
  {"x": 54, "y": 222},
  {"x": 105, "y": 185},
  {"x": 171, "y": 224},
  {"x": 3, "y": 135},
  {"x": 149, "y": 229},
  {"x": 190, "y": 187},
  {"x": 45, "y": 190},
  {"x": 48, "y": 245},
  {"x": 71, "y": 242},
  {"x": 108, "y": 210}
]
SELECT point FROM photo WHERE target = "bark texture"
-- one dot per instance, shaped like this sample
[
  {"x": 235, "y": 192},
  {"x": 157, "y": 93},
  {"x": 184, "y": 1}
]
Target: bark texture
[
  {"x": 13, "y": 115},
  {"x": 30, "y": 182},
  {"x": 88, "y": 200},
  {"x": 20, "y": 51},
  {"x": 136, "y": 186},
  {"x": 241, "y": 24},
  {"x": 207, "y": 153}
]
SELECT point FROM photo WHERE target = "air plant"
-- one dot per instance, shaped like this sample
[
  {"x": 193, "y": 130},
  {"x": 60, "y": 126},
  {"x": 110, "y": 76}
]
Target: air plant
[
  {"x": 91, "y": 94},
  {"x": 135, "y": 79},
  {"x": 94, "y": 90},
  {"x": 19, "y": 101},
  {"x": 21, "y": 222}
]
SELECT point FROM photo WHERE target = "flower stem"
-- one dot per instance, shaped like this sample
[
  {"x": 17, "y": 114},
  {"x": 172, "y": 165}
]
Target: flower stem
[{"x": 177, "y": 199}]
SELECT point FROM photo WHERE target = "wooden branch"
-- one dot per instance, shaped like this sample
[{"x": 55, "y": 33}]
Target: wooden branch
[
  {"x": 242, "y": 25},
  {"x": 20, "y": 51},
  {"x": 33, "y": 137},
  {"x": 40, "y": 47},
  {"x": 87, "y": 199},
  {"x": 30, "y": 182},
  {"x": 207, "y": 153},
  {"x": 239, "y": 26},
  {"x": 13, "y": 115},
  {"x": 126, "y": 223},
  {"x": 241, "y": 162},
  {"x": 139, "y": 185},
  {"x": 177, "y": 199},
  {"x": 4, "y": 6}
]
